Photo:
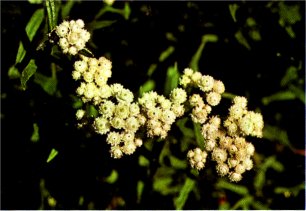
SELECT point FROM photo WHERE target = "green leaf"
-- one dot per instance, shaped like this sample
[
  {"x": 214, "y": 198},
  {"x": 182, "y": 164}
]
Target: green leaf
[
  {"x": 143, "y": 161},
  {"x": 27, "y": 73},
  {"x": 198, "y": 135},
  {"x": 180, "y": 201},
  {"x": 91, "y": 111},
  {"x": 113, "y": 177},
  {"x": 274, "y": 133},
  {"x": 260, "y": 179},
  {"x": 66, "y": 8},
  {"x": 165, "y": 54},
  {"x": 233, "y": 9},
  {"x": 13, "y": 72},
  {"x": 51, "y": 14},
  {"x": 146, "y": 87},
  {"x": 177, "y": 163},
  {"x": 52, "y": 155},
  {"x": 194, "y": 63},
  {"x": 100, "y": 24},
  {"x": 49, "y": 84},
  {"x": 279, "y": 96},
  {"x": 242, "y": 40},
  {"x": 172, "y": 79},
  {"x": 34, "y": 23},
  {"x": 151, "y": 69},
  {"x": 298, "y": 91},
  {"x": 140, "y": 187},
  {"x": 162, "y": 181},
  {"x": 239, "y": 189},
  {"x": 244, "y": 203},
  {"x": 35, "y": 134},
  {"x": 126, "y": 11},
  {"x": 187, "y": 132}
]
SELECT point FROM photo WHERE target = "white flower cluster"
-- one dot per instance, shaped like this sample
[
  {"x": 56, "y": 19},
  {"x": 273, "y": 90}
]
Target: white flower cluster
[
  {"x": 225, "y": 143},
  {"x": 162, "y": 112},
  {"x": 72, "y": 36},
  {"x": 119, "y": 117}
]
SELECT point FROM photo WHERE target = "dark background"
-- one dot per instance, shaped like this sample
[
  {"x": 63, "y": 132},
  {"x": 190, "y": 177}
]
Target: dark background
[{"x": 133, "y": 45}]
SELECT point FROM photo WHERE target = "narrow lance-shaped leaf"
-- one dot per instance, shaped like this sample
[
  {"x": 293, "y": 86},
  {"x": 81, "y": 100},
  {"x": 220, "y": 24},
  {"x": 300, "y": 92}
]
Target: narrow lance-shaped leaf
[
  {"x": 52, "y": 155},
  {"x": 50, "y": 5},
  {"x": 180, "y": 201},
  {"x": 27, "y": 73}
]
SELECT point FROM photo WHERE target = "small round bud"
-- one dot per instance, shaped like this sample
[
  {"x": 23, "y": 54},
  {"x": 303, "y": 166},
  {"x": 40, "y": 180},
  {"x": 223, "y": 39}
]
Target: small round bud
[
  {"x": 213, "y": 98},
  {"x": 80, "y": 114},
  {"x": 218, "y": 86},
  {"x": 116, "y": 152},
  {"x": 206, "y": 83},
  {"x": 222, "y": 169},
  {"x": 235, "y": 177}
]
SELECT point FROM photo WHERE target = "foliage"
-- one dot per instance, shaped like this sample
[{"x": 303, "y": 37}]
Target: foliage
[{"x": 257, "y": 49}]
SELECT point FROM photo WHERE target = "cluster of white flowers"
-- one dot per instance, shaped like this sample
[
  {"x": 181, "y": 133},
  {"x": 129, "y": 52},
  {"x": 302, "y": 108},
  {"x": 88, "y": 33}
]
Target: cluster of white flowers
[
  {"x": 162, "y": 112},
  {"x": 121, "y": 116},
  {"x": 225, "y": 143},
  {"x": 72, "y": 36}
]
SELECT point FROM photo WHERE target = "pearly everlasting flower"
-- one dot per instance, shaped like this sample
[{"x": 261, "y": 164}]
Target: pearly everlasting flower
[
  {"x": 213, "y": 98},
  {"x": 113, "y": 138},
  {"x": 107, "y": 108},
  {"x": 101, "y": 125},
  {"x": 178, "y": 95},
  {"x": 206, "y": 83},
  {"x": 197, "y": 158},
  {"x": 222, "y": 169},
  {"x": 122, "y": 110},
  {"x": 116, "y": 152},
  {"x": 219, "y": 155},
  {"x": 72, "y": 36},
  {"x": 80, "y": 66},
  {"x": 80, "y": 114},
  {"x": 125, "y": 95},
  {"x": 218, "y": 87},
  {"x": 132, "y": 124},
  {"x": 235, "y": 177}
]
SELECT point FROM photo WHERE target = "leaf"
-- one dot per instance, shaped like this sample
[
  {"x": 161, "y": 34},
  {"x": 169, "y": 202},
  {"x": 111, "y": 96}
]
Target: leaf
[
  {"x": 126, "y": 11},
  {"x": 34, "y": 23},
  {"x": 279, "y": 96},
  {"x": 260, "y": 179},
  {"x": 244, "y": 203},
  {"x": 177, "y": 163},
  {"x": 146, "y": 87},
  {"x": 113, "y": 177},
  {"x": 180, "y": 201},
  {"x": 166, "y": 53},
  {"x": 143, "y": 161},
  {"x": 66, "y": 8},
  {"x": 162, "y": 181},
  {"x": 27, "y": 73},
  {"x": 13, "y": 72},
  {"x": 172, "y": 79},
  {"x": 239, "y": 189},
  {"x": 51, "y": 14},
  {"x": 52, "y": 155},
  {"x": 35, "y": 134},
  {"x": 187, "y": 132},
  {"x": 140, "y": 187},
  {"x": 151, "y": 69},
  {"x": 242, "y": 40},
  {"x": 274, "y": 133},
  {"x": 198, "y": 135},
  {"x": 194, "y": 63},
  {"x": 100, "y": 24},
  {"x": 233, "y": 9},
  {"x": 49, "y": 84}
]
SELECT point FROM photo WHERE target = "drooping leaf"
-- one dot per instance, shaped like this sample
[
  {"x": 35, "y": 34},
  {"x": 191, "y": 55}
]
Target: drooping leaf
[
  {"x": 143, "y": 161},
  {"x": 242, "y": 40},
  {"x": 172, "y": 79},
  {"x": 166, "y": 53},
  {"x": 49, "y": 84},
  {"x": 27, "y": 73},
  {"x": 194, "y": 63},
  {"x": 180, "y": 201},
  {"x": 233, "y": 9},
  {"x": 13, "y": 72},
  {"x": 101, "y": 24},
  {"x": 35, "y": 134},
  {"x": 146, "y": 87},
  {"x": 52, "y": 155},
  {"x": 243, "y": 203},
  {"x": 151, "y": 69},
  {"x": 198, "y": 135},
  {"x": 279, "y": 96},
  {"x": 140, "y": 187},
  {"x": 177, "y": 163},
  {"x": 127, "y": 11},
  {"x": 113, "y": 177},
  {"x": 274, "y": 133},
  {"x": 239, "y": 189}
]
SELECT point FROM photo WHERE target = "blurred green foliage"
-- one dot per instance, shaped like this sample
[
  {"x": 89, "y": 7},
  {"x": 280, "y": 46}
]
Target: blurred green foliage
[{"x": 160, "y": 176}]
